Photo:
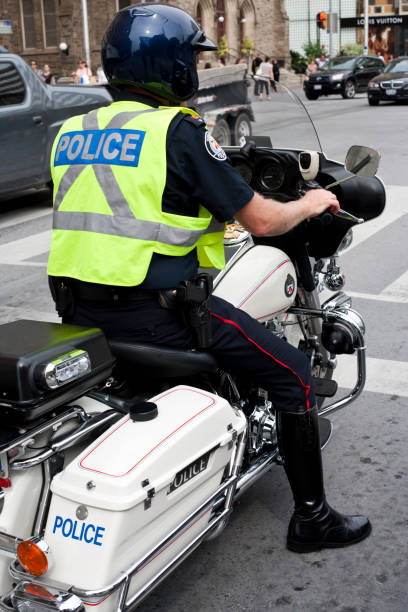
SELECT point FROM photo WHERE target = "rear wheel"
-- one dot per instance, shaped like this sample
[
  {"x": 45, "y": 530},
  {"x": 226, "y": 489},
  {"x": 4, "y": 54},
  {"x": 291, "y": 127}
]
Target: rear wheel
[
  {"x": 222, "y": 133},
  {"x": 373, "y": 101},
  {"x": 311, "y": 96},
  {"x": 349, "y": 90},
  {"x": 242, "y": 129}
]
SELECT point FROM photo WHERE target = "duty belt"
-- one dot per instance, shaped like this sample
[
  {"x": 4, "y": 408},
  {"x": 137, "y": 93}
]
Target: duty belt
[{"x": 110, "y": 294}]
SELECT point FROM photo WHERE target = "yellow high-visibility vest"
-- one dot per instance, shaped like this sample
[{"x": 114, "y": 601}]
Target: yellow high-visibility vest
[{"x": 109, "y": 174}]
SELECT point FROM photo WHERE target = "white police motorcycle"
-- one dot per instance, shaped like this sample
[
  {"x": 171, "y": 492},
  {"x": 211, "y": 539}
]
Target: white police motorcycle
[{"x": 111, "y": 475}]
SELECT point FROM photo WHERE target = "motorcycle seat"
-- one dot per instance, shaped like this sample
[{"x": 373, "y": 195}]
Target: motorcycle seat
[{"x": 167, "y": 362}]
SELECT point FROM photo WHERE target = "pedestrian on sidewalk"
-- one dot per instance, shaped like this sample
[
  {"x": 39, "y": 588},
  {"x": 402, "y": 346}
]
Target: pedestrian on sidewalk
[
  {"x": 49, "y": 78},
  {"x": 256, "y": 62},
  {"x": 276, "y": 74},
  {"x": 36, "y": 70},
  {"x": 266, "y": 75},
  {"x": 82, "y": 74}
]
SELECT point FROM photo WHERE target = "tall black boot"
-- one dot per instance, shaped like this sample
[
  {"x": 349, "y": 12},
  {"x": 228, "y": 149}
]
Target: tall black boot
[{"x": 314, "y": 524}]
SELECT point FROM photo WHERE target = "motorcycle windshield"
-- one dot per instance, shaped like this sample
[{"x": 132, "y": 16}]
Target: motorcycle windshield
[{"x": 284, "y": 119}]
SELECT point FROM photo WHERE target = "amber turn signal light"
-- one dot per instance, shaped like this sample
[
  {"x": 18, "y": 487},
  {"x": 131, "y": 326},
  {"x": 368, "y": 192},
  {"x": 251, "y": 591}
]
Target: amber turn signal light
[{"x": 32, "y": 558}]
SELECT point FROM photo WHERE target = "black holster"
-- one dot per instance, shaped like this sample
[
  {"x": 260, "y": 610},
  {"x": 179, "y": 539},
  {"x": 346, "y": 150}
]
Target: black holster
[
  {"x": 193, "y": 299},
  {"x": 62, "y": 295}
]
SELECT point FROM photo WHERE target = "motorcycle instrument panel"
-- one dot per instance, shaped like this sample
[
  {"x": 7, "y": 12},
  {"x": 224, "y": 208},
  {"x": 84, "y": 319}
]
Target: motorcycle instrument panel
[{"x": 268, "y": 172}]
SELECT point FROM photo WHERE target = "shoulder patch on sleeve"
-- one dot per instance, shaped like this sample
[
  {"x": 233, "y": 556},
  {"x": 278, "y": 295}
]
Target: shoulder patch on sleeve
[
  {"x": 213, "y": 148},
  {"x": 196, "y": 121}
]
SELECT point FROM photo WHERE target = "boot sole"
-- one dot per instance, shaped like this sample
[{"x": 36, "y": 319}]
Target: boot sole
[{"x": 308, "y": 547}]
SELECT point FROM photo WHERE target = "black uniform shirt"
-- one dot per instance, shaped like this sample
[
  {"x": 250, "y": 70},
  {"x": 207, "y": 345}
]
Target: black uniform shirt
[{"x": 197, "y": 173}]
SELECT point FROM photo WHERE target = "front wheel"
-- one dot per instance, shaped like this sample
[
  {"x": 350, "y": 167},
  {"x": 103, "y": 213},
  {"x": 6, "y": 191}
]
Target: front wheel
[
  {"x": 349, "y": 90},
  {"x": 373, "y": 101},
  {"x": 222, "y": 133},
  {"x": 242, "y": 129},
  {"x": 311, "y": 96}
]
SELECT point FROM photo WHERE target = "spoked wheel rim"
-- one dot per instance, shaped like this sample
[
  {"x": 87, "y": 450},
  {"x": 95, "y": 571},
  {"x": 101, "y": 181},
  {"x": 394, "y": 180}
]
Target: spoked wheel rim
[{"x": 350, "y": 89}]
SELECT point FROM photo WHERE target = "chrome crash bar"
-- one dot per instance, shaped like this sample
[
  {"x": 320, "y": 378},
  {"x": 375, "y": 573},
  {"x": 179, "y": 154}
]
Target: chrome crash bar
[{"x": 355, "y": 325}]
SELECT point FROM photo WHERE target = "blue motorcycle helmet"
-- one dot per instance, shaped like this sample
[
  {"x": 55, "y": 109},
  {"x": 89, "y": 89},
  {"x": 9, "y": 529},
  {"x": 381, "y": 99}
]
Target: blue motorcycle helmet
[{"x": 154, "y": 47}]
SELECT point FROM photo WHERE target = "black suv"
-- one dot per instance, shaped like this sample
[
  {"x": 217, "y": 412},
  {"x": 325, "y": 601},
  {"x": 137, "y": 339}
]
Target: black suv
[
  {"x": 343, "y": 75},
  {"x": 392, "y": 84}
]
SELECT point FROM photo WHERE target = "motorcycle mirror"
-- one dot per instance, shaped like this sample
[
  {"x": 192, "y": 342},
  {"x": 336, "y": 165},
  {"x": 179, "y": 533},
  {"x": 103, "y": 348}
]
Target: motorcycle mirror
[{"x": 362, "y": 161}]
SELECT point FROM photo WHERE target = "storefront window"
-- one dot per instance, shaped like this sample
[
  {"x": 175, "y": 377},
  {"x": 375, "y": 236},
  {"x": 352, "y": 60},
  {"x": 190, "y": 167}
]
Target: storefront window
[
  {"x": 27, "y": 13},
  {"x": 377, "y": 7}
]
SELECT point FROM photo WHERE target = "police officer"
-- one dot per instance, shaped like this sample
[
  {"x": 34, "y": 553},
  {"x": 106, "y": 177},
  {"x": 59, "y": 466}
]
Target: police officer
[{"x": 142, "y": 193}]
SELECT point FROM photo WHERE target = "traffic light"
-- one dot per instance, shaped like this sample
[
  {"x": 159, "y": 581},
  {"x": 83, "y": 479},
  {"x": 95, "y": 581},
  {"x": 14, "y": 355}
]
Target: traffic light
[{"x": 321, "y": 20}]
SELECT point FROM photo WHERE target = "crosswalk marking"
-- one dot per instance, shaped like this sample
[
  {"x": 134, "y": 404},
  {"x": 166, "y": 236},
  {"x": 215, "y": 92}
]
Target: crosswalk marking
[
  {"x": 389, "y": 297},
  {"x": 383, "y": 375},
  {"x": 17, "y": 252},
  {"x": 14, "y": 217},
  {"x": 395, "y": 208}
]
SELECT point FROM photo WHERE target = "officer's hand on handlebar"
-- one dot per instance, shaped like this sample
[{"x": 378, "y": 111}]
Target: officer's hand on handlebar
[{"x": 319, "y": 200}]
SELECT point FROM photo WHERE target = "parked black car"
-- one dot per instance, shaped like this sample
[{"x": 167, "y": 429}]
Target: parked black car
[
  {"x": 343, "y": 75},
  {"x": 390, "y": 85}
]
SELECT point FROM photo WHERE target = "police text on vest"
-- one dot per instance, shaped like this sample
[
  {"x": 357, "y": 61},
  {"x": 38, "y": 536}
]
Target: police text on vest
[{"x": 113, "y": 147}]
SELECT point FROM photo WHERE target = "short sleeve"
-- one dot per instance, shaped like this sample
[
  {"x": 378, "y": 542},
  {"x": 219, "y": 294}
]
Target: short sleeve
[{"x": 199, "y": 170}]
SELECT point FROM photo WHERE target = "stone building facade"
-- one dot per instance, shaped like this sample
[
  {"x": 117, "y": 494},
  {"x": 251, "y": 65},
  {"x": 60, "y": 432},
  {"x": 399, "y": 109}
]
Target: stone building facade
[{"x": 34, "y": 29}]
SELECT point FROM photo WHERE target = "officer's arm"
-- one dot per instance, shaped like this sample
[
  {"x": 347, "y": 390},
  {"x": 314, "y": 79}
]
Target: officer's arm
[{"x": 267, "y": 217}]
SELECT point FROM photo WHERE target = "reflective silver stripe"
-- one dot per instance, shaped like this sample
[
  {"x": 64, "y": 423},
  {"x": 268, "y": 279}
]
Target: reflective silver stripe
[
  {"x": 123, "y": 221},
  {"x": 90, "y": 121},
  {"x": 104, "y": 173},
  {"x": 215, "y": 226},
  {"x": 70, "y": 176},
  {"x": 113, "y": 193},
  {"x": 121, "y": 119},
  {"x": 127, "y": 228}
]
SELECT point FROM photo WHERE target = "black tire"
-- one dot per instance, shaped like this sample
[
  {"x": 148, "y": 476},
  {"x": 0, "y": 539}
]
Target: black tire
[
  {"x": 349, "y": 90},
  {"x": 311, "y": 96},
  {"x": 222, "y": 133},
  {"x": 373, "y": 101},
  {"x": 242, "y": 129}
]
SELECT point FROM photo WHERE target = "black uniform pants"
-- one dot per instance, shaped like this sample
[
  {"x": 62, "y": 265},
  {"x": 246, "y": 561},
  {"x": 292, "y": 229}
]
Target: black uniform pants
[{"x": 241, "y": 345}]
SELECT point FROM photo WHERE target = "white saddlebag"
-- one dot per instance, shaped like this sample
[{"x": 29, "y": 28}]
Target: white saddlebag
[
  {"x": 262, "y": 282},
  {"x": 136, "y": 483}
]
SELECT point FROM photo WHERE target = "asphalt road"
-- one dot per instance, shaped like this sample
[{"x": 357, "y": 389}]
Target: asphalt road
[{"x": 366, "y": 462}]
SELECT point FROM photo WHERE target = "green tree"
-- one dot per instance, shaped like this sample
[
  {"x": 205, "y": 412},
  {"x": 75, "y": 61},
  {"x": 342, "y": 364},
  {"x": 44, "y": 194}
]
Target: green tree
[
  {"x": 351, "y": 49},
  {"x": 247, "y": 46},
  {"x": 298, "y": 62},
  {"x": 223, "y": 46},
  {"x": 313, "y": 50}
]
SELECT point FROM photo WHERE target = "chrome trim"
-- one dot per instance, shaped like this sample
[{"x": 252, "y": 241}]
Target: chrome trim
[
  {"x": 90, "y": 424},
  {"x": 53, "y": 424},
  {"x": 354, "y": 323},
  {"x": 42, "y": 509},
  {"x": 255, "y": 471},
  {"x": 66, "y": 602},
  {"x": 397, "y": 84},
  {"x": 8, "y": 544}
]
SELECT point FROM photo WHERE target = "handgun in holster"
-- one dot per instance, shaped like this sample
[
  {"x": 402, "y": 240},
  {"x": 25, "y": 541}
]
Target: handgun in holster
[{"x": 193, "y": 298}]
